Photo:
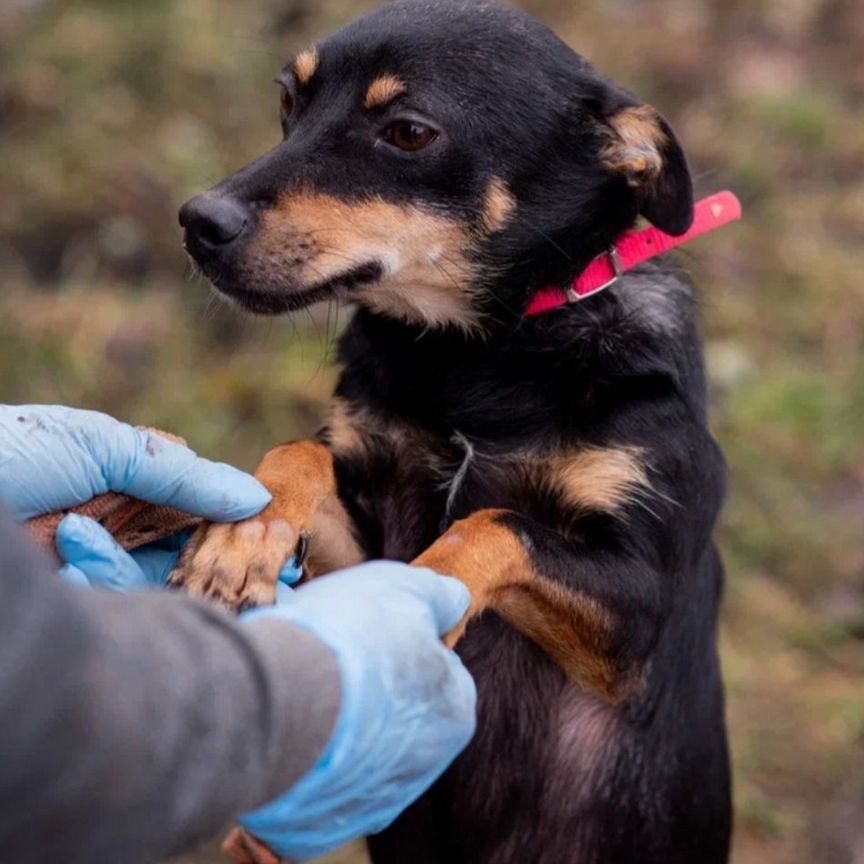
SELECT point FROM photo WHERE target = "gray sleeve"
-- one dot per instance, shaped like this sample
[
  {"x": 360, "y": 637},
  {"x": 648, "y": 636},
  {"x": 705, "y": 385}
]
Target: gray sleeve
[{"x": 133, "y": 728}]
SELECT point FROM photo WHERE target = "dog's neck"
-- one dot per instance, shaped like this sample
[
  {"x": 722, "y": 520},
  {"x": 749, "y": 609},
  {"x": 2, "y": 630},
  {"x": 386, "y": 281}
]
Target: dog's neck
[
  {"x": 529, "y": 378},
  {"x": 531, "y": 368}
]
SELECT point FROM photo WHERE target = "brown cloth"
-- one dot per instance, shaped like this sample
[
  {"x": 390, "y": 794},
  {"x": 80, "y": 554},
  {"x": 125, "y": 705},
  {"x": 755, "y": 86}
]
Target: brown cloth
[{"x": 133, "y": 523}]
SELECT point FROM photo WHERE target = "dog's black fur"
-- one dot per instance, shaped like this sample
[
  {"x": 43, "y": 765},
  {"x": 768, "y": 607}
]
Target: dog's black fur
[{"x": 555, "y": 774}]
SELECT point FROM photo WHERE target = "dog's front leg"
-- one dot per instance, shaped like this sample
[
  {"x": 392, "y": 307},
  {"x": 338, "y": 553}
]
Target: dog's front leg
[
  {"x": 593, "y": 611},
  {"x": 238, "y": 565}
]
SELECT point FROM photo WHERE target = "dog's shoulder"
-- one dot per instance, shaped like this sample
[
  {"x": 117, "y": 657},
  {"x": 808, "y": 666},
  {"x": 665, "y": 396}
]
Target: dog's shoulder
[
  {"x": 640, "y": 336},
  {"x": 651, "y": 312},
  {"x": 658, "y": 299}
]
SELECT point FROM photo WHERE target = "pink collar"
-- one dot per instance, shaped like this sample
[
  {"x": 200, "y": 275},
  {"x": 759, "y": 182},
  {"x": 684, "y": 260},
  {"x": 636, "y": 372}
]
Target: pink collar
[{"x": 634, "y": 248}]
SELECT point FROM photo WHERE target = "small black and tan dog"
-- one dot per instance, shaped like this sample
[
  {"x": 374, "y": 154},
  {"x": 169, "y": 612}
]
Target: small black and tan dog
[{"x": 442, "y": 161}]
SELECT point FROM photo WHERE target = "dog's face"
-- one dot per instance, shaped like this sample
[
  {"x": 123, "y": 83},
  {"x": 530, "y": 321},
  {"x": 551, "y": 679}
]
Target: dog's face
[{"x": 440, "y": 161}]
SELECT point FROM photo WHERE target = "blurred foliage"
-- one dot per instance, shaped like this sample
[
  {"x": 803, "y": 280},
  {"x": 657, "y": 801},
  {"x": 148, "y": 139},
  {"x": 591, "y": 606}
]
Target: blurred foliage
[{"x": 111, "y": 114}]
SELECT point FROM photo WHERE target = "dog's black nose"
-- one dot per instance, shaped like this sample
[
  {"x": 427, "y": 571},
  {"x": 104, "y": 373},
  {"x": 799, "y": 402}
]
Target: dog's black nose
[{"x": 212, "y": 222}]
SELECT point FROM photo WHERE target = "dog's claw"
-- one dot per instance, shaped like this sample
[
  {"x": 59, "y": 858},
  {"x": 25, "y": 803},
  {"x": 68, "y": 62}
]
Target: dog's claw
[{"x": 302, "y": 551}]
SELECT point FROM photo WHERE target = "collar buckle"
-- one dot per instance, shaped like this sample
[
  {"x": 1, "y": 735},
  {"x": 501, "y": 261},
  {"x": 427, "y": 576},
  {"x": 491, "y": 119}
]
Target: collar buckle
[{"x": 617, "y": 266}]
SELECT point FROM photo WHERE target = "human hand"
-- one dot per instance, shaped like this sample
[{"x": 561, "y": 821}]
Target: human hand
[
  {"x": 54, "y": 458},
  {"x": 94, "y": 559},
  {"x": 408, "y": 704}
]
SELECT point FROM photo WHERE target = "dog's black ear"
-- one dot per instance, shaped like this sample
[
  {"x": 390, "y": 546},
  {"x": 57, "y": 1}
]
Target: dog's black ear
[{"x": 641, "y": 146}]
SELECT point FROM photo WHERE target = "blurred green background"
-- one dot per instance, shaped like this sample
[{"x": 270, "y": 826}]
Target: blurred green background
[{"x": 113, "y": 113}]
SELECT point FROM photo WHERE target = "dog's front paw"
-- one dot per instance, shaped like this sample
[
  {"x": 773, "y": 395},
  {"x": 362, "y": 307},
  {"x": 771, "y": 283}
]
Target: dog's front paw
[{"x": 238, "y": 566}]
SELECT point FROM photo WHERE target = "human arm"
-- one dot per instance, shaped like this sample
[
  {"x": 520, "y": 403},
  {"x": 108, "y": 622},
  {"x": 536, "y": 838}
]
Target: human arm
[
  {"x": 90, "y": 454},
  {"x": 134, "y": 727}
]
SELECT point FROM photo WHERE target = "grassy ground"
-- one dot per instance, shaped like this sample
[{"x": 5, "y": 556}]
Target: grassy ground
[{"x": 111, "y": 114}]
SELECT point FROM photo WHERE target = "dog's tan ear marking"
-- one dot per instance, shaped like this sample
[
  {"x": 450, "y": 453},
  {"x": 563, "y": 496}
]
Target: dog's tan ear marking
[
  {"x": 382, "y": 91},
  {"x": 635, "y": 147},
  {"x": 499, "y": 205},
  {"x": 642, "y": 148},
  {"x": 305, "y": 66}
]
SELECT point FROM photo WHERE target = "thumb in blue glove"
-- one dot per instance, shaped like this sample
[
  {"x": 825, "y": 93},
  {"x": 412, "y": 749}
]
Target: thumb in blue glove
[
  {"x": 408, "y": 704},
  {"x": 54, "y": 458},
  {"x": 93, "y": 558}
]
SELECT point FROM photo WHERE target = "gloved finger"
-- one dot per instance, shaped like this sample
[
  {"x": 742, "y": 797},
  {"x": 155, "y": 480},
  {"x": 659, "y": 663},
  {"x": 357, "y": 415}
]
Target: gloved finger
[
  {"x": 291, "y": 573},
  {"x": 43, "y": 467},
  {"x": 154, "y": 469},
  {"x": 448, "y": 598},
  {"x": 73, "y": 576},
  {"x": 462, "y": 698},
  {"x": 156, "y": 564},
  {"x": 284, "y": 594},
  {"x": 87, "y": 546}
]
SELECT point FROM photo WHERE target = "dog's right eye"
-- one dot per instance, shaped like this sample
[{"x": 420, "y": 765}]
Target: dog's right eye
[{"x": 409, "y": 135}]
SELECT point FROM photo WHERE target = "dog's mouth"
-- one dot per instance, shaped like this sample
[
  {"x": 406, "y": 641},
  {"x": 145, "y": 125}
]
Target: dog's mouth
[
  {"x": 263, "y": 299},
  {"x": 409, "y": 262}
]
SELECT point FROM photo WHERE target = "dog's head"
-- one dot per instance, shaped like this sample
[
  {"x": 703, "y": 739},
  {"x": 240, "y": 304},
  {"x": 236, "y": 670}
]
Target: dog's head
[{"x": 440, "y": 161}]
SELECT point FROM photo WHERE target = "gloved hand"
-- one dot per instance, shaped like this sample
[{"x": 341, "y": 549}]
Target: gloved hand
[
  {"x": 408, "y": 704},
  {"x": 53, "y": 458},
  {"x": 94, "y": 559}
]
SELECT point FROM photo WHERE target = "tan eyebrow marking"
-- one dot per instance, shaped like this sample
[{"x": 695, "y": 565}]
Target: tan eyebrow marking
[
  {"x": 384, "y": 90},
  {"x": 305, "y": 66}
]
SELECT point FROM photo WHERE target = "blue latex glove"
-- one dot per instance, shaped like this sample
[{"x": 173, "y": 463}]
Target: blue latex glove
[
  {"x": 93, "y": 558},
  {"x": 54, "y": 458},
  {"x": 408, "y": 704}
]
